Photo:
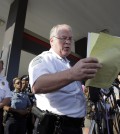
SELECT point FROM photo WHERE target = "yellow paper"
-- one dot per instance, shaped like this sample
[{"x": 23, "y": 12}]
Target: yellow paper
[
  {"x": 107, "y": 50},
  {"x": 92, "y": 40}
]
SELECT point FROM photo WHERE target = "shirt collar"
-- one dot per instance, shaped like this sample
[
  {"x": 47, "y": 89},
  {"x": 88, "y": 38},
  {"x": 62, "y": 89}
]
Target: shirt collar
[
  {"x": 1, "y": 77},
  {"x": 15, "y": 91}
]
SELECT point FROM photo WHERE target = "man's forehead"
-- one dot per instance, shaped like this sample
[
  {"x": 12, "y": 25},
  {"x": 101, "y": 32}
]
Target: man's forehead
[{"x": 64, "y": 32}]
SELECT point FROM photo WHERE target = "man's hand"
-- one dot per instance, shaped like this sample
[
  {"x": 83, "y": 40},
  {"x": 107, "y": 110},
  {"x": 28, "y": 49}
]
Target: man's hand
[
  {"x": 19, "y": 111},
  {"x": 85, "y": 69}
]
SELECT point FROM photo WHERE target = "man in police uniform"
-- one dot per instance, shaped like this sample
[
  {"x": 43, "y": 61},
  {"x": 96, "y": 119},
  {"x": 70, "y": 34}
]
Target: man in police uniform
[
  {"x": 57, "y": 85},
  {"x": 5, "y": 95}
]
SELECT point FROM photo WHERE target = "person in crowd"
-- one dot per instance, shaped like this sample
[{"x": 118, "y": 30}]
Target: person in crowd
[
  {"x": 17, "y": 111},
  {"x": 116, "y": 85},
  {"x": 118, "y": 99},
  {"x": 27, "y": 90},
  {"x": 5, "y": 95},
  {"x": 57, "y": 85},
  {"x": 88, "y": 107},
  {"x": 25, "y": 83}
]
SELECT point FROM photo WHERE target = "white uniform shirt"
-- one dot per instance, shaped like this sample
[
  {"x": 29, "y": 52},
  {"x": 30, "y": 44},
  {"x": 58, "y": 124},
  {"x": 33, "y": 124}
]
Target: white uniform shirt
[
  {"x": 4, "y": 89},
  {"x": 70, "y": 99}
]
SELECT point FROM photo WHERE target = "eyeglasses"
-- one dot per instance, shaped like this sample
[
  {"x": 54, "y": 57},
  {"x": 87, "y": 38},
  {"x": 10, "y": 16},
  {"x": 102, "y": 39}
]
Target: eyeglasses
[
  {"x": 64, "y": 38},
  {"x": 18, "y": 83}
]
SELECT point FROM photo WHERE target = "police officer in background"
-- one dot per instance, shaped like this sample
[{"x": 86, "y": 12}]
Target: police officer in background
[
  {"x": 27, "y": 90},
  {"x": 17, "y": 110},
  {"x": 5, "y": 95},
  {"x": 57, "y": 85}
]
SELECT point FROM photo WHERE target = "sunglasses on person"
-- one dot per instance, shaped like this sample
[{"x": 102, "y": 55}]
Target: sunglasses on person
[{"x": 18, "y": 83}]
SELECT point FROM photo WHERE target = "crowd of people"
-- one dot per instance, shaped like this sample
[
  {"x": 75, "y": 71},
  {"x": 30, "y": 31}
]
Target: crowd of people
[
  {"x": 54, "y": 87},
  {"x": 15, "y": 106}
]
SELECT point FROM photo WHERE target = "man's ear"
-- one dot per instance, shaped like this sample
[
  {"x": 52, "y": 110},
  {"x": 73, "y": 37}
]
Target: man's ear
[{"x": 51, "y": 41}]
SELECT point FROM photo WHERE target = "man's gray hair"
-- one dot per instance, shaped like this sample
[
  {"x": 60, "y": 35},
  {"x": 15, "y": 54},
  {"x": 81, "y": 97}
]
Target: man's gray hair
[{"x": 56, "y": 28}]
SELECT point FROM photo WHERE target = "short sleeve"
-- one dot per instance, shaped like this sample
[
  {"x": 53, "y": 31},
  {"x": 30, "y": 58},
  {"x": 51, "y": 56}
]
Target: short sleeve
[
  {"x": 7, "y": 89},
  {"x": 39, "y": 66}
]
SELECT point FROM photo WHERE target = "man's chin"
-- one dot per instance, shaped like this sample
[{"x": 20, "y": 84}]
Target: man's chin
[{"x": 66, "y": 54}]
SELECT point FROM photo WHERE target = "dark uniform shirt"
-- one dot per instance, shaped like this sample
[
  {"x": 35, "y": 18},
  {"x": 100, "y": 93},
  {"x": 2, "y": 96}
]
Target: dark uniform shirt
[{"x": 20, "y": 100}]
